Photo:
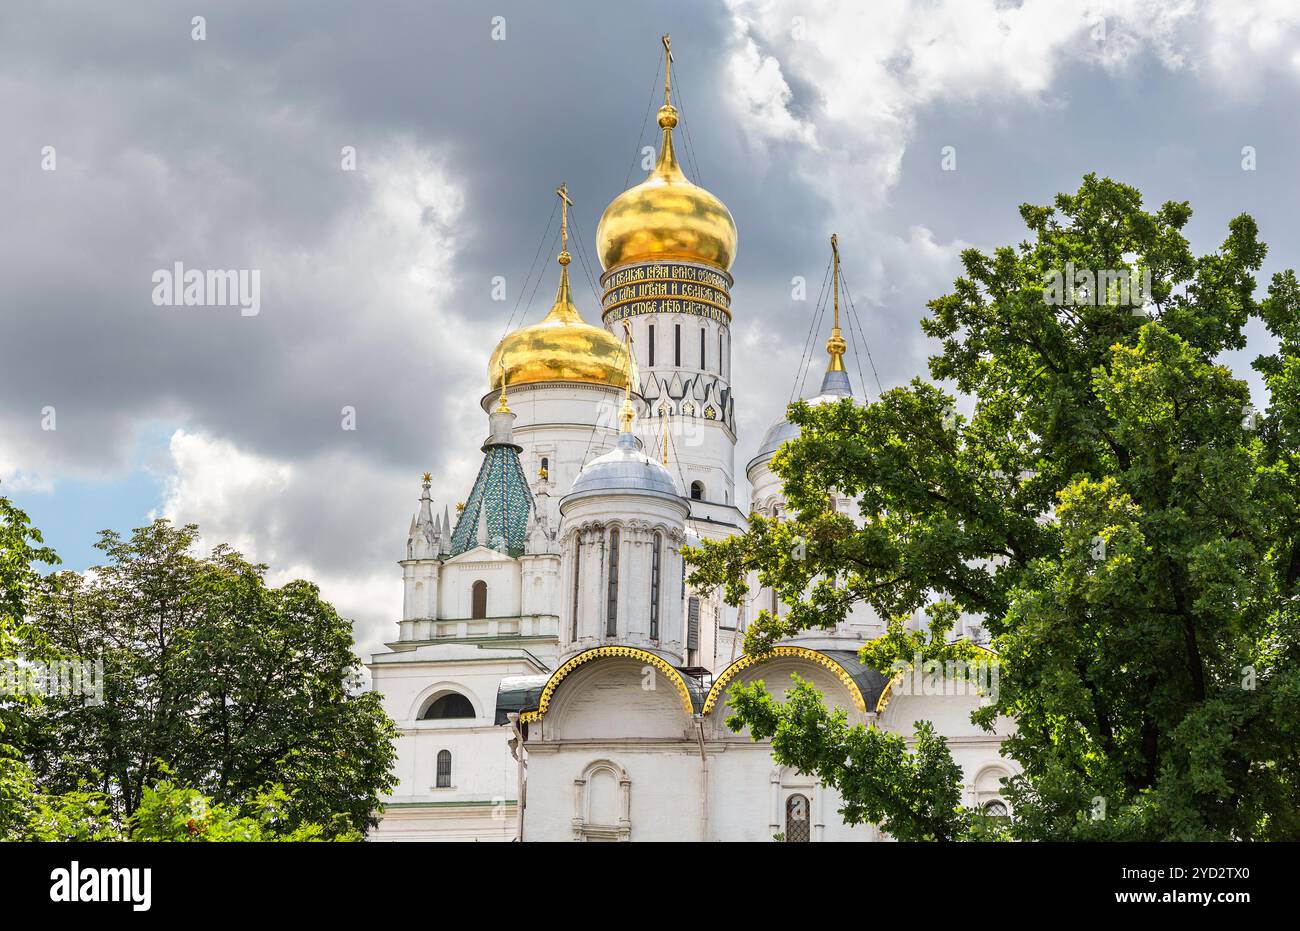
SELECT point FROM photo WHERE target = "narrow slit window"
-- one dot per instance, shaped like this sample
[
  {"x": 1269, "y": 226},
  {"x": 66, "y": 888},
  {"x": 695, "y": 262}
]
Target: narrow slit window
[
  {"x": 577, "y": 568},
  {"x": 656, "y": 556},
  {"x": 611, "y": 614}
]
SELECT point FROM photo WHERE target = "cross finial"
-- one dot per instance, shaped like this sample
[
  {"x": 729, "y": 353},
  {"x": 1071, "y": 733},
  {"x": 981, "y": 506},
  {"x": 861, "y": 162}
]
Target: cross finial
[
  {"x": 835, "y": 346},
  {"x": 835, "y": 257},
  {"x": 565, "y": 204},
  {"x": 668, "y": 69},
  {"x": 427, "y": 478}
]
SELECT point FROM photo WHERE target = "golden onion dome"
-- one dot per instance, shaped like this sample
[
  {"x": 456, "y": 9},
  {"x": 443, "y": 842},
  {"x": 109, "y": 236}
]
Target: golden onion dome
[
  {"x": 563, "y": 347},
  {"x": 666, "y": 216}
]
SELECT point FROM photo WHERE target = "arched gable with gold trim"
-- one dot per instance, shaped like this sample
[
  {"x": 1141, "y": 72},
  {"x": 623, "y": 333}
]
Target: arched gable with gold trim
[
  {"x": 836, "y": 667},
  {"x": 661, "y": 665}
]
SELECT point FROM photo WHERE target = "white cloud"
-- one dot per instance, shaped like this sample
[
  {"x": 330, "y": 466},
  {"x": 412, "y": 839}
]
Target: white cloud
[{"x": 334, "y": 520}]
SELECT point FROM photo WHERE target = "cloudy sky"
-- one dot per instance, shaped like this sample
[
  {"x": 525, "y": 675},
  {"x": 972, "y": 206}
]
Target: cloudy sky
[{"x": 805, "y": 117}]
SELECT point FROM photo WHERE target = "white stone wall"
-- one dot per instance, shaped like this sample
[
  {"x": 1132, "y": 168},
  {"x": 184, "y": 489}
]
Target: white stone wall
[
  {"x": 479, "y": 804},
  {"x": 500, "y": 572},
  {"x": 637, "y": 518}
]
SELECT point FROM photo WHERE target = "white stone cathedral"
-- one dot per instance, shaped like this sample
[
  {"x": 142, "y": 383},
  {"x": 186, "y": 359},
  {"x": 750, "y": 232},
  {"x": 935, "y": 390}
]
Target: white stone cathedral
[{"x": 554, "y": 677}]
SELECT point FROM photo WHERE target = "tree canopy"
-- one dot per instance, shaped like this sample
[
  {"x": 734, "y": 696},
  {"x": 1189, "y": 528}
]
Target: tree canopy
[
  {"x": 1125, "y": 525},
  {"x": 214, "y": 686}
]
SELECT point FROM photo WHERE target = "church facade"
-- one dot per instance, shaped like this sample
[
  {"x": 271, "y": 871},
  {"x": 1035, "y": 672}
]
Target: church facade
[{"x": 554, "y": 676}]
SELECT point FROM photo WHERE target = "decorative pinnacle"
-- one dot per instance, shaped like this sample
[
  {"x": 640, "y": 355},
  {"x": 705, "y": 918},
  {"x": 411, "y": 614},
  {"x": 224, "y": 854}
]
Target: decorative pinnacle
[
  {"x": 836, "y": 346},
  {"x": 628, "y": 414},
  {"x": 502, "y": 408},
  {"x": 563, "y": 191},
  {"x": 668, "y": 69},
  {"x": 668, "y": 113}
]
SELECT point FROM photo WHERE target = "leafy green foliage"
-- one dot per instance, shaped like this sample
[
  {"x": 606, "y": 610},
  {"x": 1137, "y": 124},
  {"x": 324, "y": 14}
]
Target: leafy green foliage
[
  {"x": 1125, "y": 525},
  {"x": 20, "y": 586},
  {"x": 212, "y": 679},
  {"x": 913, "y": 796},
  {"x": 169, "y": 812}
]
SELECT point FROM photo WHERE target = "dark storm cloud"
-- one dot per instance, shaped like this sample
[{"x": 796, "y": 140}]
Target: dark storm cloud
[{"x": 375, "y": 284}]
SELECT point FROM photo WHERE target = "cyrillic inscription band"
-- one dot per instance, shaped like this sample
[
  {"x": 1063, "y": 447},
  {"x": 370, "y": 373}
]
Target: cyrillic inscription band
[{"x": 665, "y": 287}]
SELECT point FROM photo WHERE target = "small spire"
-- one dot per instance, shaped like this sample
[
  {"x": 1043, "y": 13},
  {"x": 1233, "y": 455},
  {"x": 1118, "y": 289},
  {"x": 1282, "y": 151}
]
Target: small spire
[
  {"x": 835, "y": 346},
  {"x": 502, "y": 408},
  {"x": 628, "y": 414},
  {"x": 668, "y": 69},
  {"x": 564, "y": 308},
  {"x": 667, "y": 162}
]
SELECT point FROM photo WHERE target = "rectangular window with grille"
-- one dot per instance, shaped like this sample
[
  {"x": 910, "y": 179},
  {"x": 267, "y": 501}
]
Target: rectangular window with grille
[
  {"x": 677, "y": 345},
  {"x": 693, "y": 624},
  {"x": 444, "y": 769}
]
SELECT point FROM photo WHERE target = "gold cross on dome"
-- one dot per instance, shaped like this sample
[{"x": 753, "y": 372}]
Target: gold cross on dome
[
  {"x": 668, "y": 69},
  {"x": 565, "y": 204}
]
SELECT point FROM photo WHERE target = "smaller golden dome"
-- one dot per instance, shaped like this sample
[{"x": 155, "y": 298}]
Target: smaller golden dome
[
  {"x": 666, "y": 216},
  {"x": 563, "y": 347}
]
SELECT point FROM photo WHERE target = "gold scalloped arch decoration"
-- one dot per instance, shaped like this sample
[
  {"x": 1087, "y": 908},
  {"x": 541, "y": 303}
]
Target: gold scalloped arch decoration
[
  {"x": 885, "y": 693},
  {"x": 645, "y": 656},
  {"x": 813, "y": 656}
]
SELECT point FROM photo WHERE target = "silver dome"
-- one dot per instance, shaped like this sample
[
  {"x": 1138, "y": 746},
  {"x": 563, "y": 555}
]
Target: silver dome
[
  {"x": 624, "y": 469},
  {"x": 835, "y": 387}
]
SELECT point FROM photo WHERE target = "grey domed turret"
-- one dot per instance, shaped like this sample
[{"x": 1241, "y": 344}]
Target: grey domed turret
[{"x": 625, "y": 468}]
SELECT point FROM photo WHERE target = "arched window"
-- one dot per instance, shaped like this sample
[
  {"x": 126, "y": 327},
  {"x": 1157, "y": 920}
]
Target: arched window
[
  {"x": 611, "y": 612},
  {"x": 478, "y": 605},
  {"x": 703, "y": 358},
  {"x": 546, "y": 464},
  {"x": 451, "y": 705},
  {"x": 444, "y": 769},
  {"x": 798, "y": 824},
  {"x": 651, "y": 342},
  {"x": 996, "y": 809},
  {"x": 697, "y": 491},
  {"x": 656, "y": 557}
]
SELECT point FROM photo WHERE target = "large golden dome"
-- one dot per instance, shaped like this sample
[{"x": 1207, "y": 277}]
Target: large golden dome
[
  {"x": 666, "y": 216},
  {"x": 563, "y": 347}
]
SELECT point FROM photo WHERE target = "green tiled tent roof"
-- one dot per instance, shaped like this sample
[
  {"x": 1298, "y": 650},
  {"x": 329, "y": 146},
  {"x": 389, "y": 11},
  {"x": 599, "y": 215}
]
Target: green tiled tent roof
[{"x": 501, "y": 491}]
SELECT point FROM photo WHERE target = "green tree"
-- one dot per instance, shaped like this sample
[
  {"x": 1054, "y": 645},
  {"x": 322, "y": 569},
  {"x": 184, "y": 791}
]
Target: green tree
[
  {"x": 1124, "y": 523},
  {"x": 213, "y": 680},
  {"x": 171, "y": 813},
  {"x": 20, "y": 586}
]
